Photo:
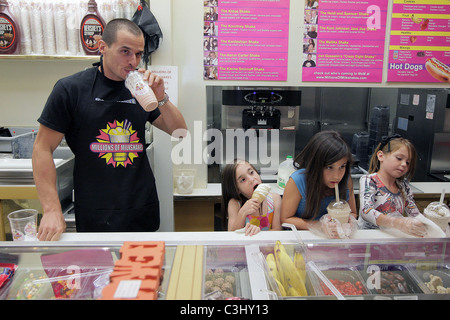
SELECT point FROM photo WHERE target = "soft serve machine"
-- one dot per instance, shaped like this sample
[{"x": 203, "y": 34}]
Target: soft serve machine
[{"x": 258, "y": 124}]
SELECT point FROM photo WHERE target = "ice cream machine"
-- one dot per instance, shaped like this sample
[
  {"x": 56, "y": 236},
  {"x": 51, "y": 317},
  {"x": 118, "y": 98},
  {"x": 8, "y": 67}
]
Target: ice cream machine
[{"x": 257, "y": 123}]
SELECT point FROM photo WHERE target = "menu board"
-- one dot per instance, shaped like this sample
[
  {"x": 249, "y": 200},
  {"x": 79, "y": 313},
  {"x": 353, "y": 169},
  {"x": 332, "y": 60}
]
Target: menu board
[
  {"x": 343, "y": 40},
  {"x": 245, "y": 40},
  {"x": 419, "y": 49}
]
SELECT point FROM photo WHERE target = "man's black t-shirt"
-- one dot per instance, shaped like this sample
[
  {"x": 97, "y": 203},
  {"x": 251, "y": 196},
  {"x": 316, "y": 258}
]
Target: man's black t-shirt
[{"x": 105, "y": 128}]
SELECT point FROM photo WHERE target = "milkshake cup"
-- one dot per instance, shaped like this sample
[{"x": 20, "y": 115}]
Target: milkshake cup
[
  {"x": 141, "y": 91},
  {"x": 339, "y": 210},
  {"x": 261, "y": 192},
  {"x": 439, "y": 213},
  {"x": 119, "y": 135}
]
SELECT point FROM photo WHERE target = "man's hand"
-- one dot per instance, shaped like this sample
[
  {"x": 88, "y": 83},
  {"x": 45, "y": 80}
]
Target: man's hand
[{"x": 51, "y": 227}]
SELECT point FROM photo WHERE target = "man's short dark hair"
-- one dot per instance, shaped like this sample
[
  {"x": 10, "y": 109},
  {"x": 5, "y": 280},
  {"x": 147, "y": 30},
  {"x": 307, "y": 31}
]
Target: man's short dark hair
[{"x": 112, "y": 27}]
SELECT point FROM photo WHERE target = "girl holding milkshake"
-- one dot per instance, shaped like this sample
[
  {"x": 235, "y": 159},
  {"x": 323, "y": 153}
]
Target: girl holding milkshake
[
  {"x": 248, "y": 204},
  {"x": 386, "y": 199},
  {"x": 324, "y": 163}
]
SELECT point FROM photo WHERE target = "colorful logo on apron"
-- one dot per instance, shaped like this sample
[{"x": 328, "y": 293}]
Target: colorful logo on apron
[{"x": 118, "y": 144}]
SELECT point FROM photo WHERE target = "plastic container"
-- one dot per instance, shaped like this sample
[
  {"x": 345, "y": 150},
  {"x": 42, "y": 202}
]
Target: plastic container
[
  {"x": 439, "y": 213},
  {"x": 184, "y": 180},
  {"x": 431, "y": 286},
  {"x": 395, "y": 280},
  {"x": 30, "y": 284},
  {"x": 23, "y": 224},
  {"x": 185, "y": 183},
  {"x": 91, "y": 29},
  {"x": 347, "y": 281},
  {"x": 285, "y": 170},
  {"x": 9, "y": 31},
  {"x": 20, "y": 143}
]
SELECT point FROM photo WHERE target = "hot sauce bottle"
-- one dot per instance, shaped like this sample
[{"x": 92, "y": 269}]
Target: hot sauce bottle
[
  {"x": 91, "y": 29},
  {"x": 9, "y": 30}
]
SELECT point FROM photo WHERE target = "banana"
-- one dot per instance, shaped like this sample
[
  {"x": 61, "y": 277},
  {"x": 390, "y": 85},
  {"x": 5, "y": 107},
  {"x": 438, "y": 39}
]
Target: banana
[
  {"x": 279, "y": 245},
  {"x": 299, "y": 263},
  {"x": 281, "y": 288},
  {"x": 292, "y": 292},
  {"x": 280, "y": 248},
  {"x": 291, "y": 276},
  {"x": 416, "y": 20},
  {"x": 270, "y": 259}
]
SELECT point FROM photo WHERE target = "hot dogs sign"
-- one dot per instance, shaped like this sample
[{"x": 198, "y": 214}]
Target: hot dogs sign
[{"x": 419, "y": 48}]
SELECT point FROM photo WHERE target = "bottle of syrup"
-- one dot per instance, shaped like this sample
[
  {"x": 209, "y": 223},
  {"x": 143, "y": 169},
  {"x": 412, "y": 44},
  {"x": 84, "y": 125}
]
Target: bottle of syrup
[
  {"x": 91, "y": 29},
  {"x": 9, "y": 30}
]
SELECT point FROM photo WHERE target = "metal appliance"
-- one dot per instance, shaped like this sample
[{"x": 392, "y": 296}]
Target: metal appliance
[
  {"x": 440, "y": 160},
  {"x": 258, "y": 124},
  {"x": 421, "y": 114}
]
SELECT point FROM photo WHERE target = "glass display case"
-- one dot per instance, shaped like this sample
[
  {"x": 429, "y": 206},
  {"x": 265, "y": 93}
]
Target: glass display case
[{"x": 318, "y": 269}]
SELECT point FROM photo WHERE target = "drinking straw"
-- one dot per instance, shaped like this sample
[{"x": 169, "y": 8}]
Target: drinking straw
[
  {"x": 442, "y": 197},
  {"x": 336, "y": 189}
]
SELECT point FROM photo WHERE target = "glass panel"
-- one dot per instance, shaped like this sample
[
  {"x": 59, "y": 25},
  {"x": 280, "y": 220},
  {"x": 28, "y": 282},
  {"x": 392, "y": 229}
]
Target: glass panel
[
  {"x": 65, "y": 272},
  {"x": 226, "y": 273},
  {"x": 374, "y": 269}
]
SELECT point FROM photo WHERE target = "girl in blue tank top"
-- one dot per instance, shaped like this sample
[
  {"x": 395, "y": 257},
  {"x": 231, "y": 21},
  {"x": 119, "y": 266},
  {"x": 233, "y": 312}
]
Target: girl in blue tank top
[{"x": 324, "y": 162}]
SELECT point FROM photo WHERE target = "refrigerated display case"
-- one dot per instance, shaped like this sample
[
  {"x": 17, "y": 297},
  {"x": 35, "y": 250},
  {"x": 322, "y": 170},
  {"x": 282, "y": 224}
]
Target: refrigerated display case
[{"x": 334, "y": 269}]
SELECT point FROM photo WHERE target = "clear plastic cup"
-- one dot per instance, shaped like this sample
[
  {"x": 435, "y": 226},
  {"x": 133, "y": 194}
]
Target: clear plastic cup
[
  {"x": 439, "y": 213},
  {"x": 23, "y": 224},
  {"x": 141, "y": 90},
  {"x": 339, "y": 210}
]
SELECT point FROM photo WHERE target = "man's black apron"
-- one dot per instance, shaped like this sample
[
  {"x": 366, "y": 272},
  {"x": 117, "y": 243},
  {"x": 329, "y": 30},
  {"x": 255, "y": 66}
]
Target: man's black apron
[{"x": 114, "y": 191}]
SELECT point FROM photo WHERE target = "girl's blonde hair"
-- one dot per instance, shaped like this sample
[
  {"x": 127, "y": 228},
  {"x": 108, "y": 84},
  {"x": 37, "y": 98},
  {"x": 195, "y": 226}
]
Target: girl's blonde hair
[{"x": 392, "y": 144}]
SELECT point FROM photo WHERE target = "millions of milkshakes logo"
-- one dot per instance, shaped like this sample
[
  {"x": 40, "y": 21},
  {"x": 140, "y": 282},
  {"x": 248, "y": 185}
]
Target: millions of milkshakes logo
[{"x": 118, "y": 144}]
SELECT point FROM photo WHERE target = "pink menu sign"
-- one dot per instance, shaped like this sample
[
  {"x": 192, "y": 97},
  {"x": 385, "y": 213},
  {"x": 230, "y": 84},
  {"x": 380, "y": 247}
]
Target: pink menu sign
[
  {"x": 419, "y": 49},
  {"x": 343, "y": 40},
  {"x": 245, "y": 40}
]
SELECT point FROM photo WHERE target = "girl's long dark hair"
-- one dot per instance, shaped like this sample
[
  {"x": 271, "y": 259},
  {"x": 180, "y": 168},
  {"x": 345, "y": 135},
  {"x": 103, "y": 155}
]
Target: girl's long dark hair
[
  {"x": 230, "y": 189},
  {"x": 324, "y": 149}
]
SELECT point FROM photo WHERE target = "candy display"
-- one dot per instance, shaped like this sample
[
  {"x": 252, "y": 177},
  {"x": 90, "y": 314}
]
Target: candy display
[
  {"x": 346, "y": 288},
  {"x": 218, "y": 280},
  {"x": 396, "y": 282},
  {"x": 436, "y": 285},
  {"x": 144, "y": 270},
  {"x": 72, "y": 274},
  {"x": 31, "y": 288},
  {"x": 6, "y": 273},
  {"x": 348, "y": 281}
]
